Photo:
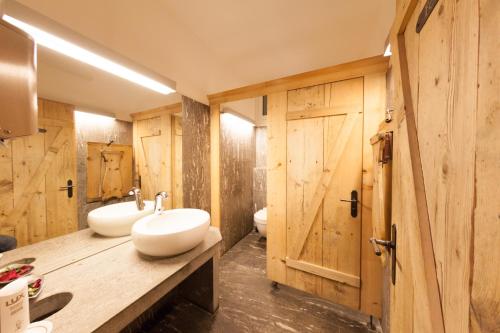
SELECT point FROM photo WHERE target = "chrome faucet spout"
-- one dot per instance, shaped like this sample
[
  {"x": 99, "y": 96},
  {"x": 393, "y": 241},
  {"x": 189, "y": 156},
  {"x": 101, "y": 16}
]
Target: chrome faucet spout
[
  {"x": 136, "y": 192},
  {"x": 159, "y": 197}
]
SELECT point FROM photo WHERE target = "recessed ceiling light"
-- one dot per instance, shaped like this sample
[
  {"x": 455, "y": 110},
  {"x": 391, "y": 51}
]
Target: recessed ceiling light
[{"x": 76, "y": 52}]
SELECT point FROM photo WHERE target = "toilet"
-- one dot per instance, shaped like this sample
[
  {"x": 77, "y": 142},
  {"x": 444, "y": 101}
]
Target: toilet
[{"x": 260, "y": 219}]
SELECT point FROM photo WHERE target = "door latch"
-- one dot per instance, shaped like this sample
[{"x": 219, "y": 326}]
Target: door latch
[
  {"x": 390, "y": 245},
  {"x": 69, "y": 188},
  {"x": 354, "y": 203}
]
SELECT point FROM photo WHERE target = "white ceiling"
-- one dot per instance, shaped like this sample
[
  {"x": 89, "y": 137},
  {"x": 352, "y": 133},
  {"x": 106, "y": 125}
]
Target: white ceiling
[{"x": 208, "y": 46}]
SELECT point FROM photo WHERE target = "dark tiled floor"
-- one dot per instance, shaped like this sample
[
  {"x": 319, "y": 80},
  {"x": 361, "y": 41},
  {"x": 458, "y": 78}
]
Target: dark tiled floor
[{"x": 249, "y": 303}]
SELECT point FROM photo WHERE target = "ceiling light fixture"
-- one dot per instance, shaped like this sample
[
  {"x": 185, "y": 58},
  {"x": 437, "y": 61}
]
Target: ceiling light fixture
[
  {"x": 93, "y": 117},
  {"x": 76, "y": 52}
]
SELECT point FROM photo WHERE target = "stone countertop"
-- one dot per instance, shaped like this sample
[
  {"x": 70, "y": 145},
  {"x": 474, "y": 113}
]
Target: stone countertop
[{"x": 110, "y": 281}]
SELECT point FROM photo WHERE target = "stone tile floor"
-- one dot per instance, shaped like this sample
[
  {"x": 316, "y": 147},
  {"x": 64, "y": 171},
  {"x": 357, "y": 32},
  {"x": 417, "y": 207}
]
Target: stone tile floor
[{"x": 249, "y": 303}]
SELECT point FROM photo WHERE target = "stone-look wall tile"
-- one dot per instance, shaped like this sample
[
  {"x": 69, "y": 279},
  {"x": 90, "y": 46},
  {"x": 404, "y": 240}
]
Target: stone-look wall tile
[
  {"x": 260, "y": 170},
  {"x": 121, "y": 132},
  {"x": 195, "y": 154},
  {"x": 237, "y": 161}
]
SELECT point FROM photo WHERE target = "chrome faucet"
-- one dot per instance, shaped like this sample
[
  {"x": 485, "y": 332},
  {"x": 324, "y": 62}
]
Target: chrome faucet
[
  {"x": 159, "y": 197},
  {"x": 136, "y": 192}
]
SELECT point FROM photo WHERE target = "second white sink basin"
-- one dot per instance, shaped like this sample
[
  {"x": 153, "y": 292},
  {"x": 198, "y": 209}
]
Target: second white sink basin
[
  {"x": 116, "y": 220},
  {"x": 171, "y": 232}
]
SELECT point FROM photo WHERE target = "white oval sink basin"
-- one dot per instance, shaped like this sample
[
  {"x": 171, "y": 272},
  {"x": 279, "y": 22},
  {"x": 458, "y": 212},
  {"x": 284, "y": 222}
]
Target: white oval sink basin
[
  {"x": 171, "y": 232},
  {"x": 116, "y": 220}
]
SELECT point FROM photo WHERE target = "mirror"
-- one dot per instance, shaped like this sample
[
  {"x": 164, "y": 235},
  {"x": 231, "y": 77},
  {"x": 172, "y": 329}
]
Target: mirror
[{"x": 83, "y": 156}]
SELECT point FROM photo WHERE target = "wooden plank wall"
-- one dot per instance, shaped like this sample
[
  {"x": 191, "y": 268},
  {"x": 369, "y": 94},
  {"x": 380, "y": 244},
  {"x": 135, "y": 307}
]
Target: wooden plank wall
[
  {"x": 154, "y": 152},
  {"x": 373, "y": 104},
  {"x": 109, "y": 171},
  {"x": 33, "y": 168},
  {"x": 485, "y": 289},
  {"x": 373, "y": 71},
  {"x": 458, "y": 126}
]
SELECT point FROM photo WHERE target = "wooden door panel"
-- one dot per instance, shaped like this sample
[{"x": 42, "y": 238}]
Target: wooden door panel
[
  {"x": 305, "y": 166},
  {"x": 315, "y": 97},
  {"x": 28, "y": 153},
  {"x": 153, "y": 152},
  {"x": 341, "y": 231},
  {"x": 324, "y": 164},
  {"x": 34, "y": 208}
]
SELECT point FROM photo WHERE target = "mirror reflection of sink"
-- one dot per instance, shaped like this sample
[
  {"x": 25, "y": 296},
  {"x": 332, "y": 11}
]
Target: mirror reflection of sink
[
  {"x": 171, "y": 232},
  {"x": 116, "y": 220}
]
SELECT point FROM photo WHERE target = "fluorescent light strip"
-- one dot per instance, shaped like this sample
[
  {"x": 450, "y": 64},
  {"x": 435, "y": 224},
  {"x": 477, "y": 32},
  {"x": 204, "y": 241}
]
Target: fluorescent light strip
[
  {"x": 74, "y": 51},
  {"x": 92, "y": 118}
]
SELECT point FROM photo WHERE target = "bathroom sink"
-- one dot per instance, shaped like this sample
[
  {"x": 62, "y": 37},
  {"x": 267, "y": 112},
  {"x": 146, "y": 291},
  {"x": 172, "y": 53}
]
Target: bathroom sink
[
  {"x": 116, "y": 220},
  {"x": 170, "y": 232}
]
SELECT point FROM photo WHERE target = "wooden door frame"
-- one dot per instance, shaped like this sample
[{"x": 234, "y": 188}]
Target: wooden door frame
[{"x": 276, "y": 90}]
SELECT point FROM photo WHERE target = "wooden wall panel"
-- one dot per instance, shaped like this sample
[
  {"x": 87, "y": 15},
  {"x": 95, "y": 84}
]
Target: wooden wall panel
[
  {"x": 113, "y": 174},
  {"x": 33, "y": 170},
  {"x": 485, "y": 288},
  {"x": 443, "y": 68},
  {"x": 371, "y": 269},
  {"x": 103, "y": 131},
  {"x": 276, "y": 186},
  {"x": 304, "y": 170}
]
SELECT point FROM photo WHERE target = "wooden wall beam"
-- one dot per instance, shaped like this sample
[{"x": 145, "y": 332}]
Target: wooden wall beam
[
  {"x": 345, "y": 71},
  {"x": 162, "y": 110},
  {"x": 276, "y": 186},
  {"x": 327, "y": 273}
]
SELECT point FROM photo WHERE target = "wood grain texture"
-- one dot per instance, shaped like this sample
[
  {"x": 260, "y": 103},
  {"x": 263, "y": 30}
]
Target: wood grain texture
[
  {"x": 34, "y": 207},
  {"x": 324, "y": 272},
  {"x": 485, "y": 289},
  {"x": 327, "y": 75},
  {"x": 88, "y": 131},
  {"x": 276, "y": 186},
  {"x": 108, "y": 167},
  {"x": 440, "y": 84},
  {"x": 153, "y": 149},
  {"x": 374, "y": 101},
  {"x": 304, "y": 172},
  {"x": 323, "y": 183}
]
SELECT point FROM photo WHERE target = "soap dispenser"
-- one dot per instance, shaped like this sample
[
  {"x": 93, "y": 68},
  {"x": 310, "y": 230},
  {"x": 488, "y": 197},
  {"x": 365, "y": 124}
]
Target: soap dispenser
[{"x": 14, "y": 307}]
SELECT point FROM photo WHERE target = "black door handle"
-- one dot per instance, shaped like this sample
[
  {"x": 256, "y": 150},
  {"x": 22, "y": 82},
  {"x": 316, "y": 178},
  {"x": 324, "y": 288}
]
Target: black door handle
[
  {"x": 354, "y": 203},
  {"x": 68, "y": 188}
]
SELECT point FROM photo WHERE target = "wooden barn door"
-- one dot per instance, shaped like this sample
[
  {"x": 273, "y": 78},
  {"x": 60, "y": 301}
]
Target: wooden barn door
[
  {"x": 324, "y": 167},
  {"x": 35, "y": 205},
  {"x": 153, "y": 155}
]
